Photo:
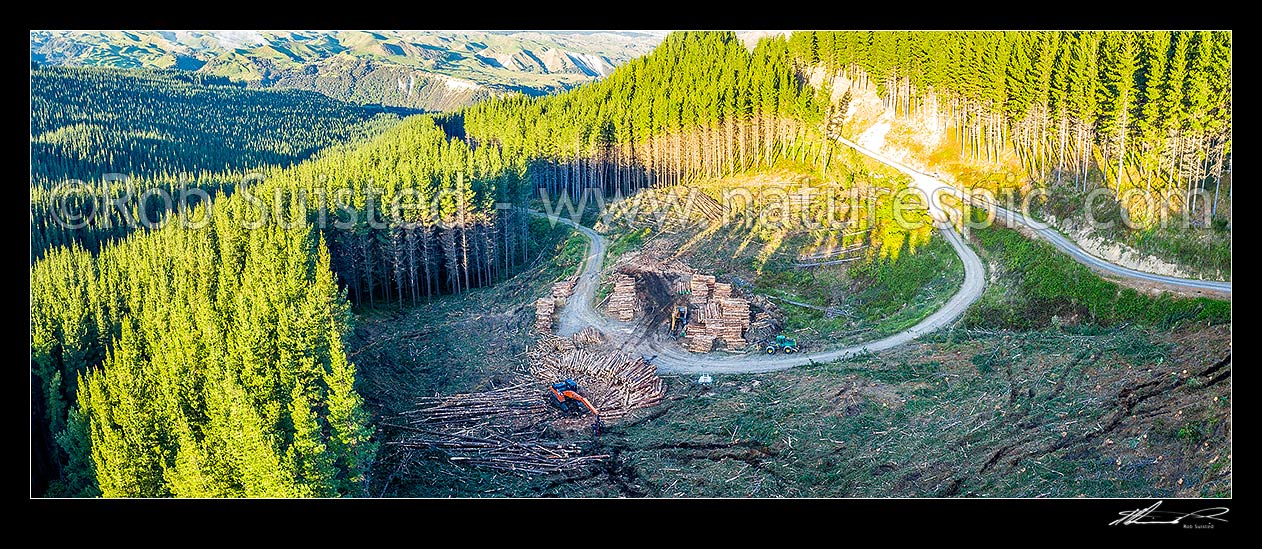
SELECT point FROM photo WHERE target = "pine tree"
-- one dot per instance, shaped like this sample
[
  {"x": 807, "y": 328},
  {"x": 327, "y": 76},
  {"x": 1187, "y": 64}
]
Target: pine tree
[{"x": 1117, "y": 94}]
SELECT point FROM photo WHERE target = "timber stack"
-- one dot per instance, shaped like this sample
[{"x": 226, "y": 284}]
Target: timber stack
[
  {"x": 697, "y": 338},
  {"x": 735, "y": 322},
  {"x": 623, "y": 302},
  {"x": 701, "y": 286},
  {"x": 711, "y": 312},
  {"x": 718, "y": 316},
  {"x": 545, "y": 309},
  {"x": 564, "y": 289}
]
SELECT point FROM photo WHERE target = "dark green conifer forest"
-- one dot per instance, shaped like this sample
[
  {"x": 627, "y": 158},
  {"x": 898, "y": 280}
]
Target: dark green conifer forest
[{"x": 1148, "y": 110}]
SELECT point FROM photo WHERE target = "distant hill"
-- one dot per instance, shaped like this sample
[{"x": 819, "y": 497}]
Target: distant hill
[
  {"x": 413, "y": 69},
  {"x": 86, "y": 122}
]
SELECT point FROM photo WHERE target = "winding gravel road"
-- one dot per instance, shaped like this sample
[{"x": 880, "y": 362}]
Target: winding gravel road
[{"x": 934, "y": 188}]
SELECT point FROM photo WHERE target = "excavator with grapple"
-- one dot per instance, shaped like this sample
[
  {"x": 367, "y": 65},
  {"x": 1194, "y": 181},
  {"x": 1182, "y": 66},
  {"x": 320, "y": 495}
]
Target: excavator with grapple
[
  {"x": 679, "y": 319},
  {"x": 565, "y": 395}
]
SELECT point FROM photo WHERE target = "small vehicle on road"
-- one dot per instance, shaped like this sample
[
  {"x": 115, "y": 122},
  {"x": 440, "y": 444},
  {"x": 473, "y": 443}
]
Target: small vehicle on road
[{"x": 782, "y": 343}]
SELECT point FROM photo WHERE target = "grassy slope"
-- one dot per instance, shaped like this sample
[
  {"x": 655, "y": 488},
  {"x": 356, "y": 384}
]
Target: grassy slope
[
  {"x": 878, "y": 297},
  {"x": 1036, "y": 286},
  {"x": 1204, "y": 251}
]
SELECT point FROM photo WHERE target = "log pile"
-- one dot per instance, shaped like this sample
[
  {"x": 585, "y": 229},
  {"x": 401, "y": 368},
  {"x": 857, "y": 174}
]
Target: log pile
[
  {"x": 700, "y": 342},
  {"x": 503, "y": 429},
  {"x": 711, "y": 312},
  {"x": 768, "y": 306},
  {"x": 717, "y": 317},
  {"x": 587, "y": 336},
  {"x": 764, "y": 326},
  {"x": 735, "y": 320},
  {"x": 564, "y": 288},
  {"x": 623, "y": 302},
  {"x": 708, "y": 206},
  {"x": 736, "y": 310},
  {"x": 545, "y": 309},
  {"x": 614, "y": 382},
  {"x": 557, "y": 344},
  {"x": 509, "y": 408},
  {"x": 679, "y": 287},
  {"x": 701, "y": 286},
  {"x": 497, "y": 429}
]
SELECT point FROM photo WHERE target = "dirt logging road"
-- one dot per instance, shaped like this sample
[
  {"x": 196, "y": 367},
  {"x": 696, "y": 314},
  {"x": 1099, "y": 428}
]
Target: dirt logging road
[
  {"x": 934, "y": 188},
  {"x": 579, "y": 313}
]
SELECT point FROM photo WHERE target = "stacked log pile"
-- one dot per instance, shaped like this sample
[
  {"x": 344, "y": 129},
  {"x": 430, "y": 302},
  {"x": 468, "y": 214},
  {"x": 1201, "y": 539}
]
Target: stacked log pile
[
  {"x": 564, "y": 288},
  {"x": 718, "y": 316},
  {"x": 545, "y": 309},
  {"x": 615, "y": 383},
  {"x": 701, "y": 286},
  {"x": 679, "y": 287},
  {"x": 623, "y": 302},
  {"x": 697, "y": 338},
  {"x": 735, "y": 321},
  {"x": 711, "y": 312}
]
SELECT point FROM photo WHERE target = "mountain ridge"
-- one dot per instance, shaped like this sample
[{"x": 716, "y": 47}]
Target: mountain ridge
[{"x": 427, "y": 70}]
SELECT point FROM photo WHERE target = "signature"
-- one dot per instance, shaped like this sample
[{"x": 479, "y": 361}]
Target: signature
[{"x": 1151, "y": 515}]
